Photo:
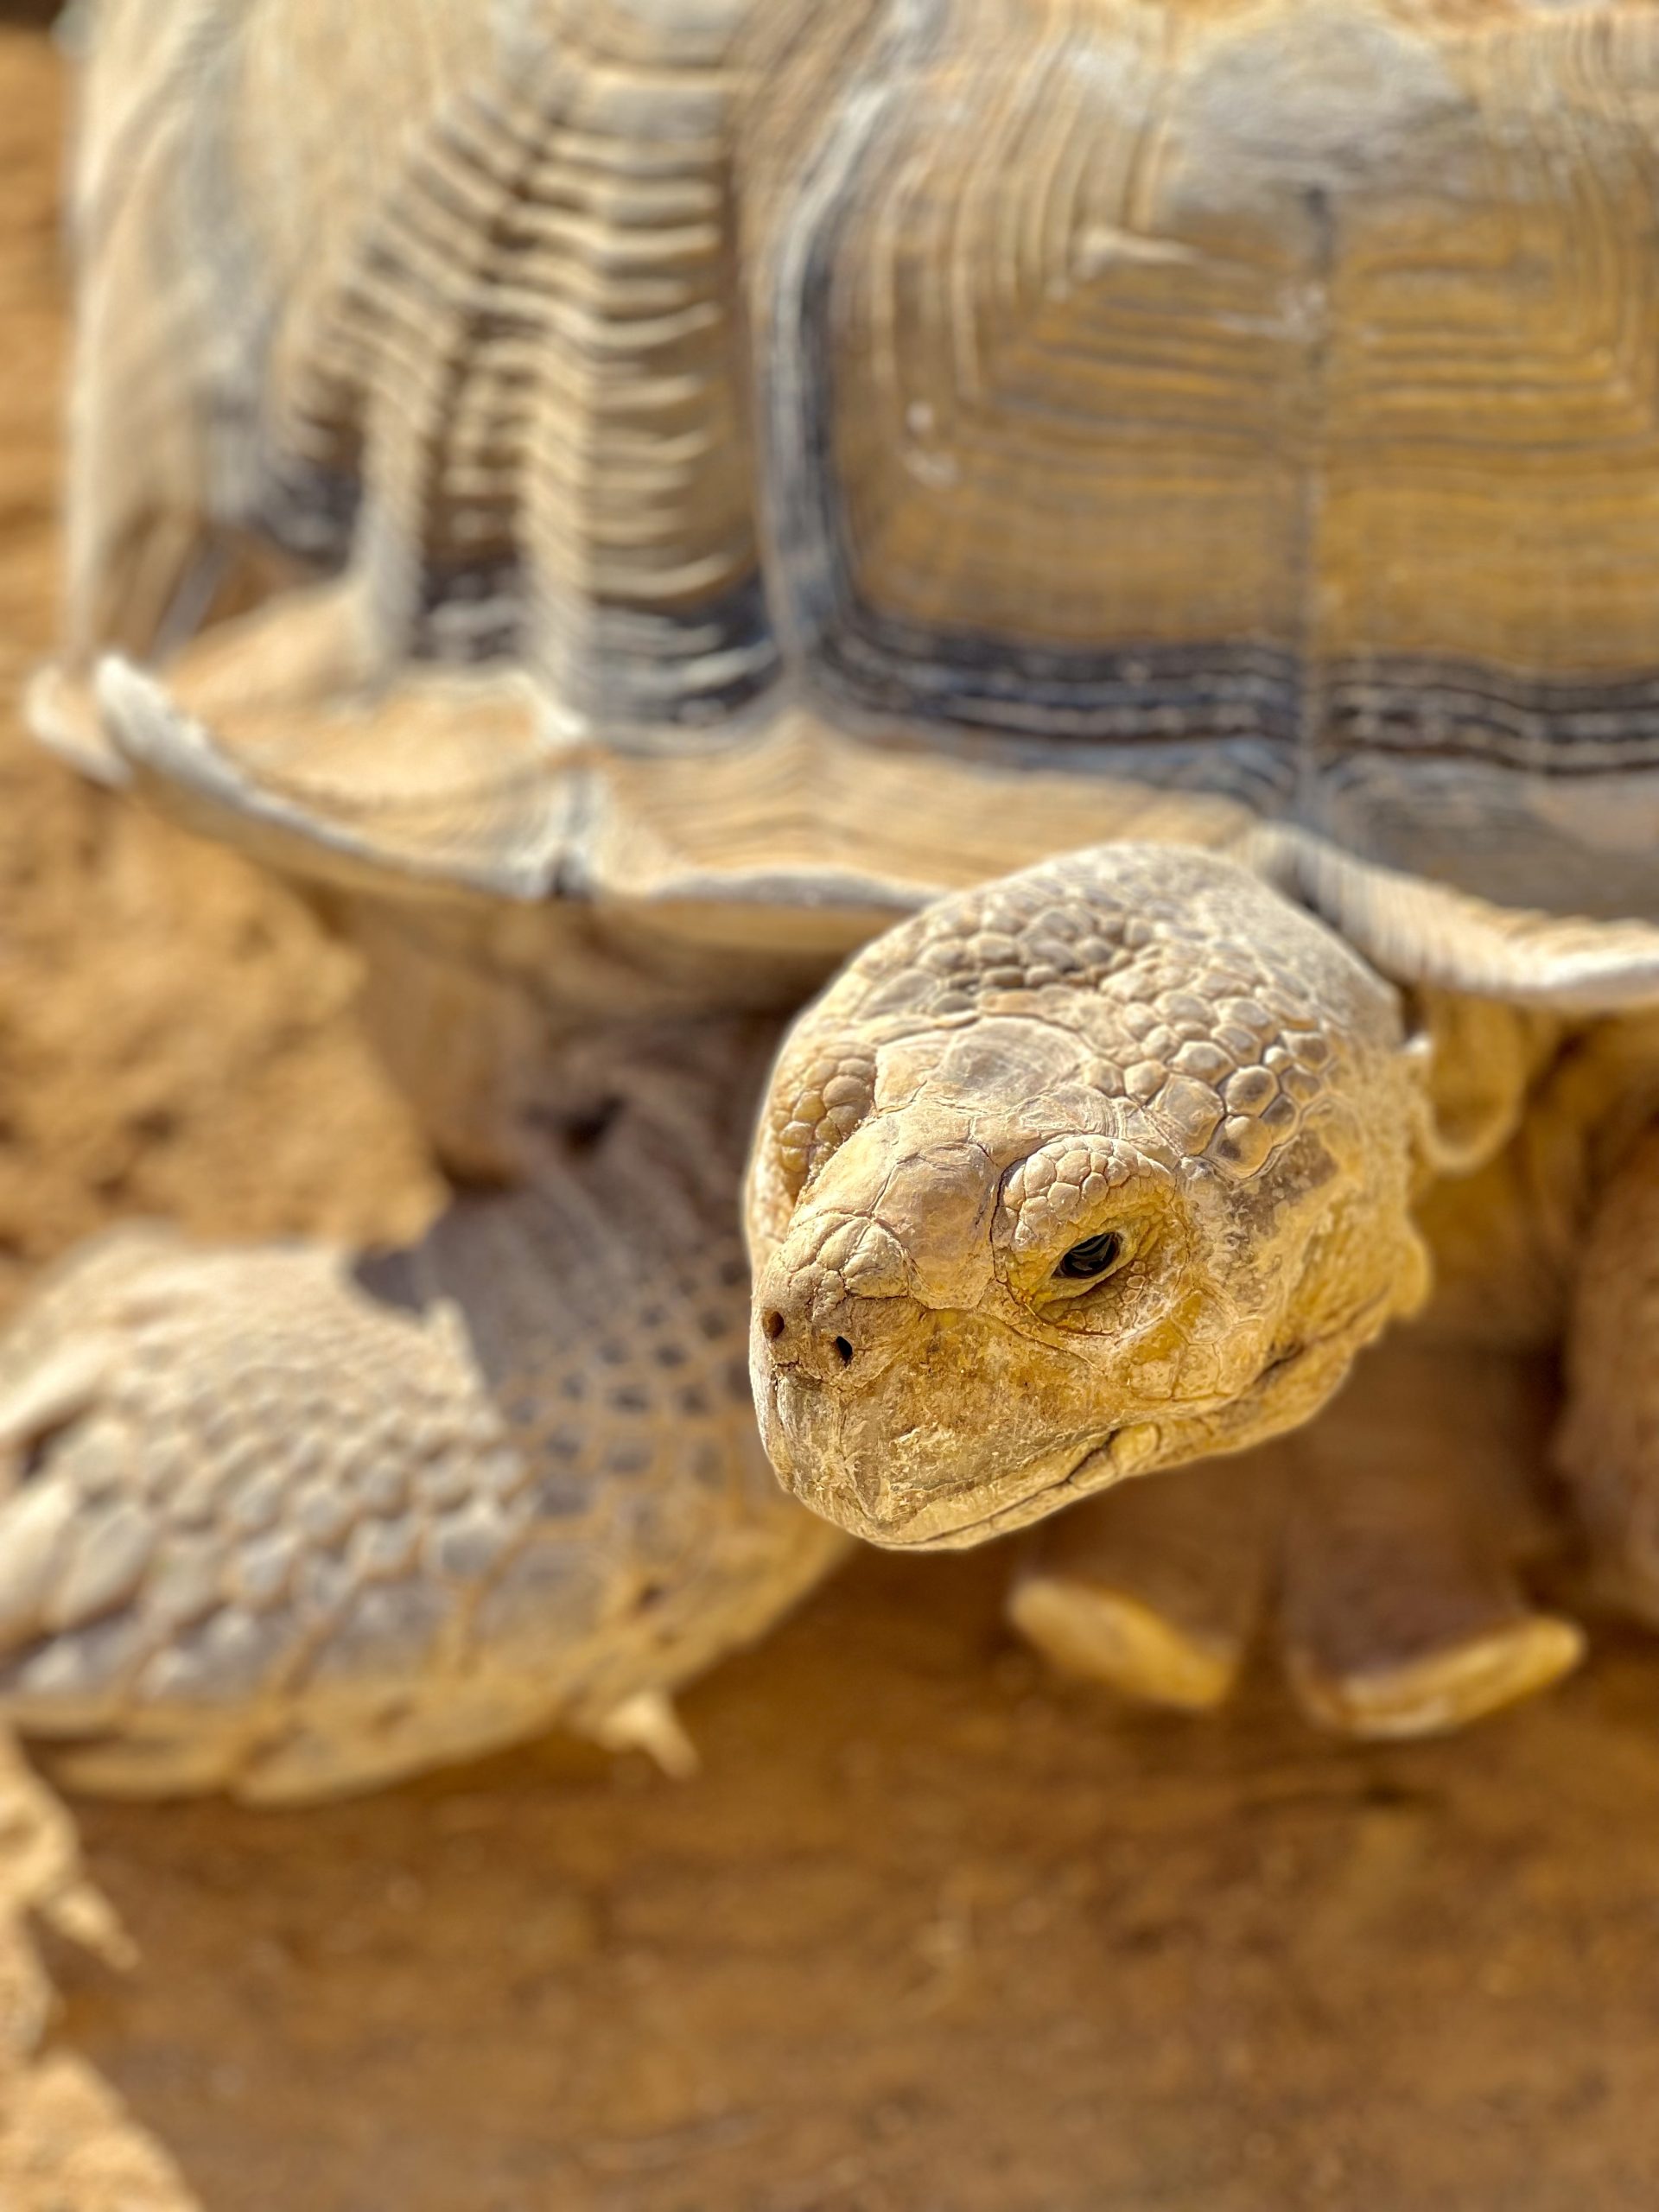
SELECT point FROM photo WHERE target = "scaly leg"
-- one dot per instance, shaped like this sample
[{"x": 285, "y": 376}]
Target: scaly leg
[
  {"x": 1609, "y": 1444},
  {"x": 288, "y": 1523},
  {"x": 1155, "y": 1587},
  {"x": 1402, "y": 1612}
]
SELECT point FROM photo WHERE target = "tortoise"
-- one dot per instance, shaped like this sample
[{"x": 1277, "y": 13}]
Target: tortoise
[{"x": 1132, "y": 524}]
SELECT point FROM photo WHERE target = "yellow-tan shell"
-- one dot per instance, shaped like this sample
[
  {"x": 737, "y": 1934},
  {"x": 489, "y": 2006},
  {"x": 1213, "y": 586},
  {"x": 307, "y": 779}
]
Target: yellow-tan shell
[{"x": 822, "y": 451}]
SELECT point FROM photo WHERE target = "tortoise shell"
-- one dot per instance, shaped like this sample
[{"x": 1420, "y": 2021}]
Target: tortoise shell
[{"x": 809, "y": 453}]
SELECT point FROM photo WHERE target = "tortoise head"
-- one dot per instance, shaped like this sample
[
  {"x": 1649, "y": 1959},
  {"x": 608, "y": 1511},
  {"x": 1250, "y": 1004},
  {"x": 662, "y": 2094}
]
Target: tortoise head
[{"x": 1096, "y": 1169}]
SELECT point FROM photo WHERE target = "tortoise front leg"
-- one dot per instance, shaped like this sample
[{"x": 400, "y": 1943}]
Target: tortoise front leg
[
  {"x": 1402, "y": 1609},
  {"x": 1392, "y": 1529},
  {"x": 289, "y": 1522},
  {"x": 1155, "y": 1587},
  {"x": 1608, "y": 1446}
]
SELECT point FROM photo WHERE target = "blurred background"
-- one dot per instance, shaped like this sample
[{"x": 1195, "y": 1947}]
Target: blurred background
[{"x": 928, "y": 1933}]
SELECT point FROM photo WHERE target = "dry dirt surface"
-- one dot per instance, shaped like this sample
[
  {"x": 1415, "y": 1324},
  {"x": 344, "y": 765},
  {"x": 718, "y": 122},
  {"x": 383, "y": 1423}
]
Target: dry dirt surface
[{"x": 930, "y": 1934}]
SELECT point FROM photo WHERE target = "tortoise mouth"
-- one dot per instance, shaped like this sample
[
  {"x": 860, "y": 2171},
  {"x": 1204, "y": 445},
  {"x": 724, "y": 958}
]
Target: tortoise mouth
[
  {"x": 846, "y": 1489},
  {"x": 1094, "y": 1468},
  {"x": 805, "y": 1434}
]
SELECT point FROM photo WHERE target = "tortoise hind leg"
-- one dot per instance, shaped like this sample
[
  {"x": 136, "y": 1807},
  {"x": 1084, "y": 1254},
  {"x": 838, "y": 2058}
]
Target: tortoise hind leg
[
  {"x": 1402, "y": 1609},
  {"x": 288, "y": 1523},
  {"x": 1608, "y": 1446}
]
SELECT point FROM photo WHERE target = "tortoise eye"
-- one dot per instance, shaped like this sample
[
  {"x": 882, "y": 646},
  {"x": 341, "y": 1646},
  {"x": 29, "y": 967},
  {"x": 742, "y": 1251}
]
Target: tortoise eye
[{"x": 1095, "y": 1255}]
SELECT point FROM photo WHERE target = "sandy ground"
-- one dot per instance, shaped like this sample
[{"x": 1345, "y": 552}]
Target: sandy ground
[{"x": 931, "y": 1933}]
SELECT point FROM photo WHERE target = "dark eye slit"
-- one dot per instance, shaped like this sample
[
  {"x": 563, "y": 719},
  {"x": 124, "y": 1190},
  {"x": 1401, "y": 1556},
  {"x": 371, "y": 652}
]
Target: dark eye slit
[{"x": 1094, "y": 1257}]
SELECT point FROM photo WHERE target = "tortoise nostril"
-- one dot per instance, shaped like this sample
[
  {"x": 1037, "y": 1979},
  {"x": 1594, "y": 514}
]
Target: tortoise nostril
[{"x": 800, "y": 1343}]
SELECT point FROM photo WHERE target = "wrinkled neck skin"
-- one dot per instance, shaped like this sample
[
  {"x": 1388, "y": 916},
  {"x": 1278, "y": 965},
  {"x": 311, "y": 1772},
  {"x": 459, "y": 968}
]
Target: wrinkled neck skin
[
  {"x": 1095, "y": 1170},
  {"x": 507, "y": 1025}
]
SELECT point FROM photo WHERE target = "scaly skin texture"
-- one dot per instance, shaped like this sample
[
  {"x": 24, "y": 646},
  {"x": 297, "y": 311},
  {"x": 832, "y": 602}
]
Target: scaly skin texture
[
  {"x": 1113, "y": 1164},
  {"x": 287, "y": 1522},
  {"x": 504, "y": 329},
  {"x": 1140, "y": 1057}
]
